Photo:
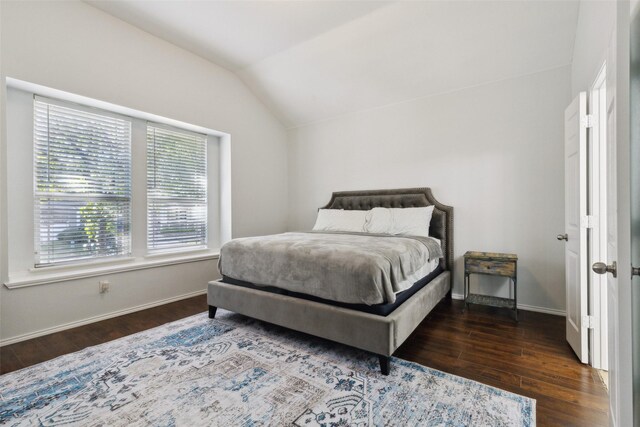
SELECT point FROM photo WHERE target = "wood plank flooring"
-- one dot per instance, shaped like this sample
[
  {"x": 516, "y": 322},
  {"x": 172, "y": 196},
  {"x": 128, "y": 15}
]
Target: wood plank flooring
[{"x": 530, "y": 358}]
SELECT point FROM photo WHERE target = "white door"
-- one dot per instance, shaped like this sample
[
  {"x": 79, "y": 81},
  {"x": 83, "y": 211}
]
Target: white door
[
  {"x": 575, "y": 232},
  {"x": 617, "y": 266}
]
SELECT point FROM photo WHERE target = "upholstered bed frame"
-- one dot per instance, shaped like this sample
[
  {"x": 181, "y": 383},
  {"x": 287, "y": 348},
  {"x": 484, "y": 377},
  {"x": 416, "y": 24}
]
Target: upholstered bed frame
[{"x": 381, "y": 335}]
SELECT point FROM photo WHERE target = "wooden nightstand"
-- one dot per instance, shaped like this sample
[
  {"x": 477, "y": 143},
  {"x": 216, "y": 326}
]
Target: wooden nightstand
[{"x": 495, "y": 264}]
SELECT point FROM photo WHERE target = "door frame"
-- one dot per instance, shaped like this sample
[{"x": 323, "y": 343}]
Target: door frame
[{"x": 597, "y": 234}]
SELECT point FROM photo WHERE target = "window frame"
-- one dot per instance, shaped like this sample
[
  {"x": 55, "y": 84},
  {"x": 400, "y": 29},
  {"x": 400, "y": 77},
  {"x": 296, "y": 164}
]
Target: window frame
[
  {"x": 184, "y": 248},
  {"x": 18, "y": 170},
  {"x": 36, "y": 195}
]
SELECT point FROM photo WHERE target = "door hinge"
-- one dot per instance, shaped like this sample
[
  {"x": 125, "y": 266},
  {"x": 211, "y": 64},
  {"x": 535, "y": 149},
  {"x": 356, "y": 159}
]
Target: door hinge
[
  {"x": 589, "y": 221},
  {"x": 589, "y": 322},
  {"x": 588, "y": 120}
]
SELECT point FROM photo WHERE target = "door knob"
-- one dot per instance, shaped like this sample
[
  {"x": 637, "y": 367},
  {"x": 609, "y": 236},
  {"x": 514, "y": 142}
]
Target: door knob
[
  {"x": 602, "y": 268},
  {"x": 635, "y": 271},
  {"x": 564, "y": 236}
]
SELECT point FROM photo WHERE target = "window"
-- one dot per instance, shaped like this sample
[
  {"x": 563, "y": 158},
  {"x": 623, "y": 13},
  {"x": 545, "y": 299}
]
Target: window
[
  {"x": 96, "y": 187},
  {"x": 176, "y": 189},
  {"x": 82, "y": 180}
]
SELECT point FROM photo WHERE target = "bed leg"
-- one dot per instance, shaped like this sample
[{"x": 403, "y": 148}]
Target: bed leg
[
  {"x": 212, "y": 312},
  {"x": 385, "y": 362}
]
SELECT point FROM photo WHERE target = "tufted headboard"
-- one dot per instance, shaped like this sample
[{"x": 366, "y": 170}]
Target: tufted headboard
[{"x": 441, "y": 226}]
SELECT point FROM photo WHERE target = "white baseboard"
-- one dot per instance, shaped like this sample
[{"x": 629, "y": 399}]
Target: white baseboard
[
  {"x": 93, "y": 319},
  {"x": 527, "y": 307},
  {"x": 546, "y": 310}
]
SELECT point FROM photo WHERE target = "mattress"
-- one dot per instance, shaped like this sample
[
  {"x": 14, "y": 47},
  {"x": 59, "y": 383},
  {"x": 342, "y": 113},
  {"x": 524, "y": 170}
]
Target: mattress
[
  {"x": 378, "y": 309},
  {"x": 351, "y": 268}
]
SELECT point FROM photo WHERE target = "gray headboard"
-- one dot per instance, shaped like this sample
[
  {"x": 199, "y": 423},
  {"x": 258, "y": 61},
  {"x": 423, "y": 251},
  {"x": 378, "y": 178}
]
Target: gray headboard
[{"x": 441, "y": 222}]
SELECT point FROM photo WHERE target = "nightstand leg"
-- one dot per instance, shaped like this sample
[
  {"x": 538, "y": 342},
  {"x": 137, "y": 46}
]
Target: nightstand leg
[
  {"x": 466, "y": 292},
  {"x": 515, "y": 296}
]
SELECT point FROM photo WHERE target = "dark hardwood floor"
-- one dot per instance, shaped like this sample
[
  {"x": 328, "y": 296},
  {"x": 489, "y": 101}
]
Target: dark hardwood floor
[{"x": 530, "y": 358}]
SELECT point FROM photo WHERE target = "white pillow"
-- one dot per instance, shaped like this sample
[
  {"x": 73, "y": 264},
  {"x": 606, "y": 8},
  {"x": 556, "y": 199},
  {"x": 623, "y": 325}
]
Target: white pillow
[
  {"x": 411, "y": 221},
  {"x": 340, "y": 220},
  {"x": 378, "y": 221},
  {"x": 400, "y": 221}
]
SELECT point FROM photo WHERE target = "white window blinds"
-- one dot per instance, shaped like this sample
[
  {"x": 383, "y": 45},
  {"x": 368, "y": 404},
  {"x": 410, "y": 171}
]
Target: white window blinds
[
  {"x": 82, "y": 180},
  {"x": 176, "y": 189}
]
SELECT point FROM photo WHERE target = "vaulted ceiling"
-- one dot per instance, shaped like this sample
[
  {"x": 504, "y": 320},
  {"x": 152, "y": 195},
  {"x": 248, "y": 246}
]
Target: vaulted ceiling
[{"x": 314, "y": 60}]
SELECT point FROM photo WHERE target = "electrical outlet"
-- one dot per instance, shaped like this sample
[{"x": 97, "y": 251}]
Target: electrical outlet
[{"x": 103, "y": 286}]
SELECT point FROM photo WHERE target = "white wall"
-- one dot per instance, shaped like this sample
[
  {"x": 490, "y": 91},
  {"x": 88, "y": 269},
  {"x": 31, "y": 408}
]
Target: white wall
[
  {"x": 74, "y": 47},
  {"x": 596, "y": 21},
  {"x": 494, "y": 152}
]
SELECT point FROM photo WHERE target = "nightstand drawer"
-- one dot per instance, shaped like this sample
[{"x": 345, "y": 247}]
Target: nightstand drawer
[{"x": 501, "y": 268}]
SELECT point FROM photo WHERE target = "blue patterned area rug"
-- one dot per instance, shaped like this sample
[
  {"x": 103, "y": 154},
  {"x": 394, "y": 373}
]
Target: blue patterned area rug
[{"x": 236, "y": 371}]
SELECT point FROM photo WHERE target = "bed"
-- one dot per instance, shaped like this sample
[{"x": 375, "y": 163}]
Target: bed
[{"x": 379, "y": 328}]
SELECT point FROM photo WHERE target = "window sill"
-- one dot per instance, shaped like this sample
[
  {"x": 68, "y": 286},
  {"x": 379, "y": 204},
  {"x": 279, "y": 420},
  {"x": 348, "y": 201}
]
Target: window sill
[{"x": 130, "y": 264}]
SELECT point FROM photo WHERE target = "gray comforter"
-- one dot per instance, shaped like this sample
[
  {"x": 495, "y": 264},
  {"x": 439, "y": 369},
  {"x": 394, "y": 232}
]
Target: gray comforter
[{"x": 355, "y": 268}]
